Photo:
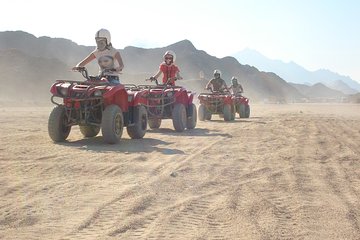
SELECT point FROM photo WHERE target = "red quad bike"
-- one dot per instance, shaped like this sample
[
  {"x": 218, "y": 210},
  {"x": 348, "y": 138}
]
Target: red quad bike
[
  {"x": 216, "y": 102},
  {"x": 164, "y": 101},
  {"x": 242, "y": 106},
  {"x": 95, "y": 104}
]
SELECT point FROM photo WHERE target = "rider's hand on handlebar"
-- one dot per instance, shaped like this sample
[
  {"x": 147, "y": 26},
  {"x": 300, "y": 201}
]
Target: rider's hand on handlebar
[{"x": 77, "y": 68}]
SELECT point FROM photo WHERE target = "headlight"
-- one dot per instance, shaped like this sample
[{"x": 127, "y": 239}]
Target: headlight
[
  {"x": 169, "y": 94},
  {"x": 97, "y": 93},
  {"x": 63, "y": 91},
  {"x": 130, "y": 98}
]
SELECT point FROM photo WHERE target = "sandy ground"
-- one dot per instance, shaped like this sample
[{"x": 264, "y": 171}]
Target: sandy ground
[{"x": 289, "y": 172}]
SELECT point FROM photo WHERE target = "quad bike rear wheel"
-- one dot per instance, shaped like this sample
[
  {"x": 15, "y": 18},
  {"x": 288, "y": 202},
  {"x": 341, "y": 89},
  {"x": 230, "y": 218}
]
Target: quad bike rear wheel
[
  {"x": 89, "y": 130},
  {"x": 192, "y": 117},
  {"x": 112, "y": 124},
  {"x": 233, "y": 112},
  {"x": 227, "y": 112},
  {"x": 201, "y": 113},
  {"x": 57, "y": 125},
  {"x": 242, "y": 111},
  {"x": 138, "y": 130},
  {"x": 204, "y": 114},
  {"x": 179, "y": 117},
  {"x": 154, "y": 123}
]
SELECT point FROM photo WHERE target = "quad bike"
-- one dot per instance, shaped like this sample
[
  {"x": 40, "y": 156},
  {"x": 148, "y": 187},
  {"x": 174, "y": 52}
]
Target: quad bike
[
  {"x": 96, "y": 104},
  {"x": 216, "y": 102},
  {"x": 164, "y": 101},
  {"x": 242, "y": 106}
]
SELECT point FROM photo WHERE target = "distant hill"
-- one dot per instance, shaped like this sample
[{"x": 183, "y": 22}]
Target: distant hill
[
  {"x": 292, "y": 72},
  {"x": 39, "y": 61},
  {"x": 27, "y": 78},
  {"x": 319, "y": 92}
]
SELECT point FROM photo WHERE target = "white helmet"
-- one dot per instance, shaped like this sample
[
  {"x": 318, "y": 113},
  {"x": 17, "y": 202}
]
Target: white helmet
[
  {"x": 217, "y": 72},
  {"x": 172, "y": 53},
  {"x": 104, "y": 33}
]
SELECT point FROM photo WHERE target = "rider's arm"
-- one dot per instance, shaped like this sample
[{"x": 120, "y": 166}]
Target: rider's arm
[
  {"x": 120, "y": 61},
  {"x": 157, "y": 74},
  {"x": 178, "y": 75},
  {"x": 241, "y": 88},
  {"x": 208, "y": 84},
  {"x": 225, "y": 86},
  {"x": 86, "y": 60}
]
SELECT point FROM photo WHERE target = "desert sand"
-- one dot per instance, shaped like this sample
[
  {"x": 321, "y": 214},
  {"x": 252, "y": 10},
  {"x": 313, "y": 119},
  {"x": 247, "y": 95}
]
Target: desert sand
[{"x": 288, "y": 172}]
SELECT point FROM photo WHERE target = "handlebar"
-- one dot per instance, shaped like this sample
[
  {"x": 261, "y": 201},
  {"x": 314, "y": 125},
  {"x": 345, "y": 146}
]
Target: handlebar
[
  {"x": 85, "y": 74},
  {"x": 152, "y": 79}
]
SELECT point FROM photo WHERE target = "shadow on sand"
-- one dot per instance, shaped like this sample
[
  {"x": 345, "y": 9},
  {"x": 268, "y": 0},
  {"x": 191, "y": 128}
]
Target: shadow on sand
[
  {"x": 145, "y": 145},
  {"x": 190, "y": 132},
  {"x": 241, "y": 120}
]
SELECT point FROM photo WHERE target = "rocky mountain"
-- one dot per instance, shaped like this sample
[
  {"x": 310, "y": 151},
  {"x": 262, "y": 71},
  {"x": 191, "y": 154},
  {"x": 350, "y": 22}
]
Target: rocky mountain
[
  {"x": 292, "y": 72},
  {"x": 35, "y": 62}
]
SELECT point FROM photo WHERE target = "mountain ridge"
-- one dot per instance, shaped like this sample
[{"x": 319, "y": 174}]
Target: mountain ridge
[
  {"x": 293, "y": 72},
  {"x": 195, "y": 65}
]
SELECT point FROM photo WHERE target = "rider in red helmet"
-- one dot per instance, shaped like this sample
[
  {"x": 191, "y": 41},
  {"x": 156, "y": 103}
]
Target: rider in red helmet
[{"x": 169, "y": 70}]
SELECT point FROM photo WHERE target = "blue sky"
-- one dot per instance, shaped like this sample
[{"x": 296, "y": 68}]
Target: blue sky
[{"x": 315, "y": 34}]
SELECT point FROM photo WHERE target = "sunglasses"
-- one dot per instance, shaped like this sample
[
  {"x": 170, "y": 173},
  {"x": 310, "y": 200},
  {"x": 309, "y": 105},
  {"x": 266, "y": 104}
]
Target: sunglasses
[{"x": 168, "y": 58}]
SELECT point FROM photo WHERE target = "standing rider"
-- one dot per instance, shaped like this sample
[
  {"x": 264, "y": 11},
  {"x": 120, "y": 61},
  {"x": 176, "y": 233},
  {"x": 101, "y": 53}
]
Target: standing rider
[
  {"x": 170, "y": 71},
  {"x": 109, "y": 59},
  {"x": 236, "y": 87},
  {"x": 217, "y": 84}
]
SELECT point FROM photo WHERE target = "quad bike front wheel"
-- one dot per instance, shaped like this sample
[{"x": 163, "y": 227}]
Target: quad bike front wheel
[
  {"x": 57, "y": 125},
  {"x": 227, "y": 111},
  {"x": 138, "y": 130},
  {"x": 89, "y": 131},
  {"x": 192, "y": 117},
  {"x": 247, "y": 111},
  {"x": 179, "y": 117},
  {"x": 112, "y": 124}
]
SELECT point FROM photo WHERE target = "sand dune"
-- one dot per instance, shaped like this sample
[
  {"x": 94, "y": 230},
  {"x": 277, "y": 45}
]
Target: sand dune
[{"x": 289, "y": 172}]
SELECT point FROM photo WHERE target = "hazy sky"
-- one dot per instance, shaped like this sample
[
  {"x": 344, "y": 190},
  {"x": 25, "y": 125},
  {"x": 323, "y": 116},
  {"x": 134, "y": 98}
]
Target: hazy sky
[{"x": 313, "y": 33}]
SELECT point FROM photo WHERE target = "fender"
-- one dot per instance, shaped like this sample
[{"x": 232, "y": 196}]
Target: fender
[
  {"x": 117, "y": 95},
  {"x": 182, "y": 97},
  {"x": 138, "y": 99},
  {"x": 190, "y": 97}
]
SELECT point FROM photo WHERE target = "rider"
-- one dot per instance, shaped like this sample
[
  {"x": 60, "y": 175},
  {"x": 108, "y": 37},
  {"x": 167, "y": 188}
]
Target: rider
[
  {"x": 169, "y": 70},
  {"x": 236, "y": 87},
  {"x": 217, "y": 83},
  {"x": 108, "y": 57}
]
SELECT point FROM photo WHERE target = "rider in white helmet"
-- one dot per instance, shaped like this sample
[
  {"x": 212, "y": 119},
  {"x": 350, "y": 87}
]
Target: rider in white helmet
[
  {"x": 217, "y": 83},
  {"x": 170, "y": 71},
  {"x": 108, "y": 57}
]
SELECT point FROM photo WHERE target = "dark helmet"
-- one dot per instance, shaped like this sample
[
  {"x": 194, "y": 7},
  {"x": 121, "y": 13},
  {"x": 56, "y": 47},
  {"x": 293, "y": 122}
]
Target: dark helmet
[{"x": 217, "y": 73}]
